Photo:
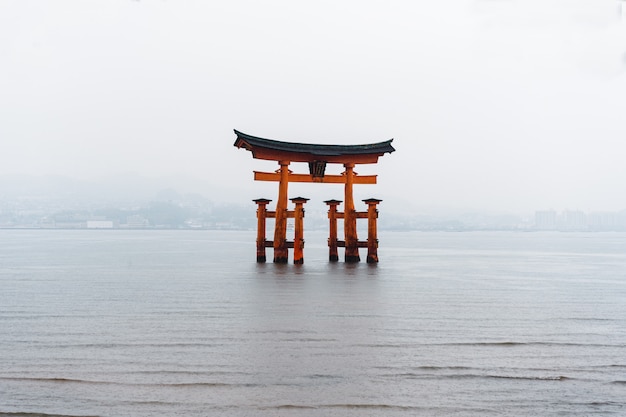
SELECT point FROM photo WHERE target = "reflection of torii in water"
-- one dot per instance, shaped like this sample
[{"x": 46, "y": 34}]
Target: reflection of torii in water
[{"x": 317, "y": 156}]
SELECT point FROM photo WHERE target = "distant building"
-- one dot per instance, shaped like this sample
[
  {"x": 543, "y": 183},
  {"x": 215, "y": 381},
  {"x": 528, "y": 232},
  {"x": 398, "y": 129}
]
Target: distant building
[
  {"x": 600, "y": 221},
  {"x": 136, "y": 221},
  {"x": 100, "y": 224},
  {"x": 545, "y": 220},
  {"x": 573, "y": 220},
  {"x": 67, "y": 224},
  {"x": 577, "y": 220}
]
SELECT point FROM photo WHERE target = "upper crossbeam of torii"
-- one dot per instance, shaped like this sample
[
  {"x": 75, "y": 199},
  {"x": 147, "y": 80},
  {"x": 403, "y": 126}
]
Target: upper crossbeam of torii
[
  {"x": 275, "y": 150},
  {"x": 317, "y": 156}
]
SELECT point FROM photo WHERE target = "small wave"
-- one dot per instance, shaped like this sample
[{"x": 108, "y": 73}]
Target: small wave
[
  {"x": 211, "y": 343},
  {"x": 278, "y": 332},
  {"x": 503, "y": 344},
  {"x": 371, "y": 406},
  {"x": 513, "y": 344},
  {"x": 511, "y": 377},
  {"x": 203, "y": 384},
  {"x": 481, "y": 344},
  {"x": 308, "y": 339},
  {"x": 429, "y": 368},
  {"x": 442, "y": 368},
  {"x": 324, "y": 376},
  {"x": 531, "y": 378},
  {"x": 382, "y": 345},
  {"x": 207, "y": 373},
  {"x": 589, "y": 319},
  {"x": 290, "y": 407},
  {"x": 340, "y": 406},
  {"x": 414, "y": 375},
  {"x": 604, "y": 404},
  {"x": 56, "y": 380},
  {"x": 30, "y": 414},
  {"x": 148, "y": 403},
  {"x": 83, "y": 381},
  {"x": 619, "y": 382}
]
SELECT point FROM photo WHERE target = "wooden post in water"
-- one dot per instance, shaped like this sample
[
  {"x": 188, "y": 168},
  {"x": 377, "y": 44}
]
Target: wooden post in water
[
  {"x": 372, "y": 233},
  {"x": 261, "y": 214},
  {"x": 349, "y": 219},
  {"x": 333, "y": 254},
  {"x": 298, "y": 240},
  {"x": 281, "y": 252}
]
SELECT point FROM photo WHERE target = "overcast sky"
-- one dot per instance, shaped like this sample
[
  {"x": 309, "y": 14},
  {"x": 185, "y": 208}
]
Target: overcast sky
[{"x": 496, "y": 104}]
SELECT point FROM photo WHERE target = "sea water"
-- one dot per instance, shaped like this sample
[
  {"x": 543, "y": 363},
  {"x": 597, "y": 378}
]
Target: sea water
[{"x": 163, "y": 323}]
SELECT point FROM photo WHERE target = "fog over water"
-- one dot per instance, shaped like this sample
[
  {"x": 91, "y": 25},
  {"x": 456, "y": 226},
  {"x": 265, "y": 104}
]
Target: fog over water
[{"x": 493, "y": 104}]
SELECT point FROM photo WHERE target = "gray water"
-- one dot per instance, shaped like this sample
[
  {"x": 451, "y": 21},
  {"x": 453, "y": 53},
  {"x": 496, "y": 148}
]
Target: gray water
[{"x": 163, "y": 323}]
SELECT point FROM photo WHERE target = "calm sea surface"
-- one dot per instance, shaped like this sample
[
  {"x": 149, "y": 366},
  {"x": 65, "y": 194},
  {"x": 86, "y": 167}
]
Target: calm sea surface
[{"x": 164, "y": 323}]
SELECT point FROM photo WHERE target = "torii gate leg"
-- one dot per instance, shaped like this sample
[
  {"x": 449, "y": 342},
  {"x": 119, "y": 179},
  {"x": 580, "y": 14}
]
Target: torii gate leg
[
  {"x": 281, "y": 253},
  {"x": 261, "y": 214},
  {"x": 333, "y": 255},
  {"x": 349, "y": 221},
  {"x": 298, "y": 240},
  {"x": 372, "y": 234}
]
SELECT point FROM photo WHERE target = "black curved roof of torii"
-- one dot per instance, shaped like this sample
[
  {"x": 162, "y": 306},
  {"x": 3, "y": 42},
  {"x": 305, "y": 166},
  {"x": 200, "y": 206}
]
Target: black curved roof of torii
[{"x": 250, "y": 142}]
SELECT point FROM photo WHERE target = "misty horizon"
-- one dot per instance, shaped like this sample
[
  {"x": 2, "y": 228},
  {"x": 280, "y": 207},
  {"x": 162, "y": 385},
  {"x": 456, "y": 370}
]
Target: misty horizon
[{"x": 131, "y": 187}]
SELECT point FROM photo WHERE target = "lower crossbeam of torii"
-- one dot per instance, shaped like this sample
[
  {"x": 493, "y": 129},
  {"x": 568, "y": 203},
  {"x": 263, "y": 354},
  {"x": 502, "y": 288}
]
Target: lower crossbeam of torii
[{"x": 317, "y": 156}]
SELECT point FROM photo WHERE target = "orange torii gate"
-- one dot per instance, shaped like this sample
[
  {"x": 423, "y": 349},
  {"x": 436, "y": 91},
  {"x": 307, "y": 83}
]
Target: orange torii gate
[{"x": 317, "y": 156}]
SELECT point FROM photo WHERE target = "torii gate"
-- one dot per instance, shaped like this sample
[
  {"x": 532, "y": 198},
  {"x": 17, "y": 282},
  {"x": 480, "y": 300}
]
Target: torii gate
[{"x": 317, "y": 156}]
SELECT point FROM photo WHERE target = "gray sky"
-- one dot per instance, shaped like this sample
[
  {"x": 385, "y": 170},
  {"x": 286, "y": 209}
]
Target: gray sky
[{"x": 497, "y": 104}]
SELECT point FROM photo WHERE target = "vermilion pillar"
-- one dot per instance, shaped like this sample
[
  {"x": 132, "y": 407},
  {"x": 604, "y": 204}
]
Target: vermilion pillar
[
  {"x": 261, "y": 214},
  {"x": 372, "y": 233},
  {"x": 349, "y": 220},
  {"x": 280, "y": 229},
  {"x": 298, "y": 240},
  {"x": 333, "y": 255}
]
